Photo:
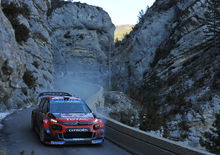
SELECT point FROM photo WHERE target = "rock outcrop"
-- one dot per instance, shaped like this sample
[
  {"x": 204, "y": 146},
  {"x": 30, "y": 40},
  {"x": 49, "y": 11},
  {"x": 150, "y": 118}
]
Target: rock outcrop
[
  {"x": 44, "y": 39},
  {"x": 121, "y": 108},
  {"x": 82, "y": 38},
  {"x": 12, "y": 67},
  {"x": 168, "y": 64},
  {"x": 28, "y": 21}
]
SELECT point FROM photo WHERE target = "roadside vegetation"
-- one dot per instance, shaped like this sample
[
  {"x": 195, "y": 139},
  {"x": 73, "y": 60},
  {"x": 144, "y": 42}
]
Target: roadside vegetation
[
  {"x": 12, "y": 11},
  {"x": 121, "y": 31},
  {"x": 211, "y": 138}
]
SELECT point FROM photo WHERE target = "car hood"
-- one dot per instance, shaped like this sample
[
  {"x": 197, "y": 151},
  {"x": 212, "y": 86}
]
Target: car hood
[{"x": 74, "y": 116}]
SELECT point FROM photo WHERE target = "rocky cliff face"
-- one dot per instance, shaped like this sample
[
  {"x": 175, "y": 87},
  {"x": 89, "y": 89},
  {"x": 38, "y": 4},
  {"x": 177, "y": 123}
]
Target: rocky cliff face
[
  {"x": 44, "y": 39},
  {"x": 168, "y": 64},
  {"x": 27, "y": 21},
  {"x": 82, "y": 37},
  {"x": 11, "y": 64}
]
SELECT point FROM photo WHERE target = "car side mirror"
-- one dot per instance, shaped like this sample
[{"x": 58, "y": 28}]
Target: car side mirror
[
  {"x": 50, "y": 115},
  {"x": 94, "y": 115}
]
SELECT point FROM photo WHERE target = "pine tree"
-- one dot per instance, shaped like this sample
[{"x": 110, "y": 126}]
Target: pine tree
[
  {"x": 140, "y": 16},
  {"x": 213, "y": 22},
  {"x": 211, "y": 139}
]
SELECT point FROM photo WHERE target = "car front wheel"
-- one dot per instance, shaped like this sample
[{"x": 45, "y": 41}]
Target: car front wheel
[{"x": 42, "y": 135}]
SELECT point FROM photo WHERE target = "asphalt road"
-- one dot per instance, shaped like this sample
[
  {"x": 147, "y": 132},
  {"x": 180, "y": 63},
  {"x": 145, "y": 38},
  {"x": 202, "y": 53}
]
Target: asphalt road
[{"x": 17, "y": 136}]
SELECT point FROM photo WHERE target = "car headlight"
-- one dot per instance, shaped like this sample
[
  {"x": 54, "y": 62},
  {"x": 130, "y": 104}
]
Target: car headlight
[
  {"x": 96, "y": 127},
  {"x": 53, "y": 120},
  {"x": 96, "y": 120}
]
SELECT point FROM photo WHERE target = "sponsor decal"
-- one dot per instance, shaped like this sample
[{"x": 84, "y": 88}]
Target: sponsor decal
[
  {"x": 76, "y": 116},
  {"x": 77, "y": 139},
  {"x": 76, "y": 119},
  {"x": 78, "y": 130},
  {"x": 57, "y": 142}
]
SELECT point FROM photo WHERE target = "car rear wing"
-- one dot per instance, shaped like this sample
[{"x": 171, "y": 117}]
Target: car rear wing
[{"x": 54, "y": 94}]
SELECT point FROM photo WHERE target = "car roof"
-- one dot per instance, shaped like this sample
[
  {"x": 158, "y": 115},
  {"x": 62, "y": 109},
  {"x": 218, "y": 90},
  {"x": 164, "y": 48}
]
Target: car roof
[
  {"x": 45, "y": 94},
  {"x": 64, "y": 99}
]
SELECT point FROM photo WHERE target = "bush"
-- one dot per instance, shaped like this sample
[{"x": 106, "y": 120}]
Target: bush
[
  {"x": 163, "y": 51},
  {"x": 141, "y": 16},
  {"x": 36, "y": 64},
  {"x": 29, "y": 79},
  {"x": 21, "y": 32},
  {"x": 67, "y": 35},
  {"x": 80, "y": 36},
  {"x": 150, "y": 119},
  {"x": 216, "y": 82},
  {"x": 68, "y": 44},
  {"x": 12, "y": 11},
  {"x": 211, "y": 139},
  {"x": 183, "y": 125},
  {"x": 117, "y": 42},
  {"x": 124, "y": 117},
  {"x": 6, "y": 70}
]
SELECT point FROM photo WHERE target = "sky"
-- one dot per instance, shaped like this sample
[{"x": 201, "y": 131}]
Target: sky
[{"x": 121, "y": 11}]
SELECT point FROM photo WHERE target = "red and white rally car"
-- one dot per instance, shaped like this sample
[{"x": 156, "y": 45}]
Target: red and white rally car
[{"x": 63, "y": 119}]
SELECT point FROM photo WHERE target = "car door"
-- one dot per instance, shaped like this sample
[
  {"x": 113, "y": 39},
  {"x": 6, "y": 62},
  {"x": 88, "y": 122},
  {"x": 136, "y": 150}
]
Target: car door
[{"x": 41, "y": 113}]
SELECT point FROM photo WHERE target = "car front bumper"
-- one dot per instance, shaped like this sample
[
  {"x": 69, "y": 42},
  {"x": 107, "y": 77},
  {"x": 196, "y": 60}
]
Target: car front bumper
[
  {"x": 59, "y": 139},
  {"x": 75, "y": 141}
]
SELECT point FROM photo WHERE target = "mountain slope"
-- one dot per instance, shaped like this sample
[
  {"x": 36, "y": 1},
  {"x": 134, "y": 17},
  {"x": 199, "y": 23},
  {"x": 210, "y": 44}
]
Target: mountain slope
[
  {"x": 121, "y": 31},
  {"x": 168, "y": 64}
]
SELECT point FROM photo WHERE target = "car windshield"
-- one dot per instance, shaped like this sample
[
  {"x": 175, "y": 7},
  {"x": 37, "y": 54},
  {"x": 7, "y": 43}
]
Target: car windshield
[{"x": 69, "y": 107}]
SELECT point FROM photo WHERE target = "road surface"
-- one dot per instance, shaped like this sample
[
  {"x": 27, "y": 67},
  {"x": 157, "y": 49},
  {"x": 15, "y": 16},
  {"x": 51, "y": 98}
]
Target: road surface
[{"x": 17, "y": 136}]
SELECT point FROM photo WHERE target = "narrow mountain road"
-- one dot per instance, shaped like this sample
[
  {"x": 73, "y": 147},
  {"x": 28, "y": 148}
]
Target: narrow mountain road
[{"x": 18, "y": 136}]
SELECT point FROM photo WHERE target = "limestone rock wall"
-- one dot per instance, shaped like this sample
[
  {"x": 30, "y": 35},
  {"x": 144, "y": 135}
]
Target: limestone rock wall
[
  {"x": 42, "y": 41},
  {"x": 169, "y": 65},
  {"x": 82, "y": 38}
]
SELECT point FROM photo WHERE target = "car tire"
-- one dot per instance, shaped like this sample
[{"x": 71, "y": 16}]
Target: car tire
[{"x": 42, "y": 135}]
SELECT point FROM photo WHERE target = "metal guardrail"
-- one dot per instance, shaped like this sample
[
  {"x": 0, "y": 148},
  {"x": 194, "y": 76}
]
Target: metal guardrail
[
  {"x": 135, "y": 140},
  {"x": 140, "y": 142}
]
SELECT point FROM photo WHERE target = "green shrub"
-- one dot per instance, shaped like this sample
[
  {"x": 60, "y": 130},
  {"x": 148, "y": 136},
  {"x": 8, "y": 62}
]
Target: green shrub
[
  {"x": 166, "y": 133},
  {"x": 211, "y": 139},
  {"x": 68, "y": 44},
  {"x": 124, "y": 117},
  {"x": 80, "y": 36},
  {"x": 21, "y": 32},
  {"x": 117, "y": 42},
  {"x": 216, "y": 82},
  {"x": 183, "y": 125},
  {"x": 36, "y": 64},
  {"x": 12, "y": 11},
  {"x": 6, "y": 70},
  {"x": 67, "y": 35},
  {"x": 163, "y": 51},
  {"x": 151, "y": 119},
  {"x": 24, "y": 91},
  {"x": 29, "y": 79}
]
